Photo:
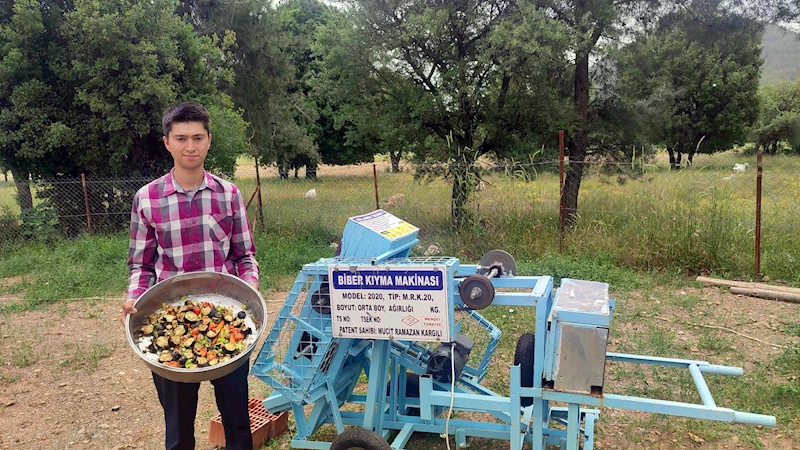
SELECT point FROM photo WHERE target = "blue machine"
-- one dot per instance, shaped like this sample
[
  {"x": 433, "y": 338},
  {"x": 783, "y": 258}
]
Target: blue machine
[{"x": 412, "y": 326}]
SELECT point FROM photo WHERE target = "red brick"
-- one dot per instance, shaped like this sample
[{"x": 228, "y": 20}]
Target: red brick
[{"x": 263, "y": 425}]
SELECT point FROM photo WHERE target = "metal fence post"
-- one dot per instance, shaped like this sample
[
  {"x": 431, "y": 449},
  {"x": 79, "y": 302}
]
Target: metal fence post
[
  {"x": 561, "y": 190},
  {"x": 758, "y": 216},
  {"x": 258, "y": 190},
  {"x": 86, "y": 202},
  {"x": 375, "y": 181}
]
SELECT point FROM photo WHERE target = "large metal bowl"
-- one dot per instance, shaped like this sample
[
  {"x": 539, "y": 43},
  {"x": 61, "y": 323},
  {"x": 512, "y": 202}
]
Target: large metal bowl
[{"x": 219, "y": 288}]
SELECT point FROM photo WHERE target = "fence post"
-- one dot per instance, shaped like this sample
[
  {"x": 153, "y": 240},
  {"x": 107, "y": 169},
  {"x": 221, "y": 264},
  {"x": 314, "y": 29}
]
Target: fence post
[
  {"x": 561, "y": 191},
  {"x": 375, "y": 181},
  {"x": 86, "y": 202},
  {"x": 258, "y": 189},
  {"x": 759, "y": 173}
]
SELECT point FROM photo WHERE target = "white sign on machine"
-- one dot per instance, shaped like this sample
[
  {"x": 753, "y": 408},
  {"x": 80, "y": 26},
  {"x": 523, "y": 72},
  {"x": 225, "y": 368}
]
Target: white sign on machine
[
  {"x": 385, "y": 224},
  {"x": 393, "y": 302}
]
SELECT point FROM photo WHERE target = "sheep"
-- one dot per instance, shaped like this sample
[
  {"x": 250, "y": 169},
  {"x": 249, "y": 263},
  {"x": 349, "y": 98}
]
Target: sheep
[
  {"x": 740, "y": 168},
  {"x": 396, "y": 200},
  {"x": 729, "y": 177},
  {"x": 311, "y": 194}
]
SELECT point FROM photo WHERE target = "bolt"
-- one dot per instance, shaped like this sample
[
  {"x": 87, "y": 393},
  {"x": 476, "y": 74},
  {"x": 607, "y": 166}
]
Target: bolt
[{"x": 475, "y": 293}]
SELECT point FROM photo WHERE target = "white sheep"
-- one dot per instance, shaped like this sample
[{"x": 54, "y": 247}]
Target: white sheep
[
  {"x": 729, "y": 177},
  {"x": 311, "y": 194},
  {"x": 740, "y": 168}
]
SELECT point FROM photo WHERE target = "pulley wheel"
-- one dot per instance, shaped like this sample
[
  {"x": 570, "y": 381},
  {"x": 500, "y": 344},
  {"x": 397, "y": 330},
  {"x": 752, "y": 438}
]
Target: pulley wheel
[
  {"x": 476, "y": 291},
  {"x": 499, "y": 258}
]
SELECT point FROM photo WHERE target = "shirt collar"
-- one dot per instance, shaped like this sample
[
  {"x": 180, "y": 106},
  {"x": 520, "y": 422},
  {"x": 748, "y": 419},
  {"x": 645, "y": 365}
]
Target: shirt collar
[{"x": 170, "y": 186}]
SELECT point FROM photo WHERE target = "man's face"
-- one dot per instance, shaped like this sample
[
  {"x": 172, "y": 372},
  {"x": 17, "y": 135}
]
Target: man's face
[{"x": 188, "y": 142}]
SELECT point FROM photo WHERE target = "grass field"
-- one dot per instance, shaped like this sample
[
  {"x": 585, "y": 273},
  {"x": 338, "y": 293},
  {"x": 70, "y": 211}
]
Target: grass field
[
  {"x": 78, "y": 284},
  {"x": 688, "y": 221}
]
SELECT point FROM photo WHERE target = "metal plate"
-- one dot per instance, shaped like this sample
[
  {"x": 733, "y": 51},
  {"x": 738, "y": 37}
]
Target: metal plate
[
  {"x": 581, "y": 358},
  {"x": 499, "y": 258}
]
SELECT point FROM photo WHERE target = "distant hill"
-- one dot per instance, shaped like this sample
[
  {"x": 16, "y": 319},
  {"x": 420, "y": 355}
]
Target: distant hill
[{"x": 781, "y": 53}]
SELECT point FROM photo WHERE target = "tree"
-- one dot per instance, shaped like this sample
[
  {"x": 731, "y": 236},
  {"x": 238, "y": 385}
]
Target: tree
[
  {"x": 265, "y": 87},
  {"x": 703, "y": 65},
  {"x": 779, "y": 117},
  {"x": 300, "y": 20},
  {"x": 461, "y": 79},
  {"x": 33, "y": 128},
  {"x": 83, "y": 88}
]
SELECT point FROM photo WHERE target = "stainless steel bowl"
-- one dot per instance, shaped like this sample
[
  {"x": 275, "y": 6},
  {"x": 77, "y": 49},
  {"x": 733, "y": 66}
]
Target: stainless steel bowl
[{"x": 220, "y": 288}]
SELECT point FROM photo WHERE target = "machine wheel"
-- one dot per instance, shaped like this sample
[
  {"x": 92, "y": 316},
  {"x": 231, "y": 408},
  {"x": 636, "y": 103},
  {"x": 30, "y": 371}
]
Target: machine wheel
[
  {"x": 476, "y": 291},
  {"x": 359, "y": 439},
  {"x": 523, "y": 355}
]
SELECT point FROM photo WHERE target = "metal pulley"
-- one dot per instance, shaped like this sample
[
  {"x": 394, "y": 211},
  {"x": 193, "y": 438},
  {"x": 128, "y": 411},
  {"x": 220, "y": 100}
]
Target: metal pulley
[
  {"x": 476, "y": 291},
  {"x": 497, "y": 263}
]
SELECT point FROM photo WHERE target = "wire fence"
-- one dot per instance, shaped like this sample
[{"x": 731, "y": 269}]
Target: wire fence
[{"x": 700, "y": 219}]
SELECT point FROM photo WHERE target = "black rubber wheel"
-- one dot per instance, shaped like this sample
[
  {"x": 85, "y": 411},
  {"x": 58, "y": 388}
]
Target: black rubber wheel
[
  {"x": 359, "y": 439},
  {"x": 523, "y": 355}
]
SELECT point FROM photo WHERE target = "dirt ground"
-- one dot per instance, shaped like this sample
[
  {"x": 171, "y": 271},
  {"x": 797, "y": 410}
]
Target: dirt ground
[{"x": 68, "y": 379}]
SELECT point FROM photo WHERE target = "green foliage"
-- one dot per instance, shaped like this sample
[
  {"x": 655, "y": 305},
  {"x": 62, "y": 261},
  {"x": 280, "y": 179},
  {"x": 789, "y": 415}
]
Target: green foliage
[
  {"x": 584, "y": 267},
  {"x": 698, "y": 79},
  {"x": 9, "y": 223},
  {"x": 266, "y": 89},
  {"x": 462, "y": 92},
  {"x": 82, "y": 89},
  {"x": 779, "y": 118},
  {"x": 40, "y": 224}
]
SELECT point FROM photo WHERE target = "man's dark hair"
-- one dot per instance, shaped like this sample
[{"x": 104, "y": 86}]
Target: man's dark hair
[{"x": 184, "y": 112}]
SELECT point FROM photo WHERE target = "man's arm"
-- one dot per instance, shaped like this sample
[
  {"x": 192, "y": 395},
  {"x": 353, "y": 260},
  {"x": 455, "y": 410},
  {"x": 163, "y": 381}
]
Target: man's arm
[
  {"x": 243, "y": 248},
  {"x": 141, "y": 253}
]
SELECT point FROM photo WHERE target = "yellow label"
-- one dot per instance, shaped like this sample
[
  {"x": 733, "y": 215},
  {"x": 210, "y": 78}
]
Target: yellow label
[{"x": 399, "y": 230}]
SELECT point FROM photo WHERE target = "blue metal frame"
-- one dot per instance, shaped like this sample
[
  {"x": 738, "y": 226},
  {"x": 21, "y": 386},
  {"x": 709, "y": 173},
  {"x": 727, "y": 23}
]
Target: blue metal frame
[{"x": 325, "y": 378}]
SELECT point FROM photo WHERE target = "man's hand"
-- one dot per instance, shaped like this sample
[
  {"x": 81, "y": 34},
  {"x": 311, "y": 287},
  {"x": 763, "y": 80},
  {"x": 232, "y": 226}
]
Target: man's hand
[
  {"x": 255, "y": 286},
  {"x": 127, "y": 308}
]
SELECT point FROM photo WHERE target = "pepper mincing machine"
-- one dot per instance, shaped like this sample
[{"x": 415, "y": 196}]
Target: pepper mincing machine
[{"x": 411, "y": 325}]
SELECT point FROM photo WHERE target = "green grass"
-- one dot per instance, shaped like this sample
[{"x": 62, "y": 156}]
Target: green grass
[{"x": 96, "y": 266}]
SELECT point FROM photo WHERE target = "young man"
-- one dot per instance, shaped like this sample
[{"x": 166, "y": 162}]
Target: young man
[{"x": 186, "y": 221}]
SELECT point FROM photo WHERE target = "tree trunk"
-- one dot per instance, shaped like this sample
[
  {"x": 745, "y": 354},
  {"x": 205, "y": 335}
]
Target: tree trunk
[
  {"x": 311, "y": 172},
  {"x": 671, "y": 153},
  {"x": 24, "y": 196},
  {"x": 394, "y": 157},
  {"x": 577, "y": 145},
  {"x": 283, "y": 171}
]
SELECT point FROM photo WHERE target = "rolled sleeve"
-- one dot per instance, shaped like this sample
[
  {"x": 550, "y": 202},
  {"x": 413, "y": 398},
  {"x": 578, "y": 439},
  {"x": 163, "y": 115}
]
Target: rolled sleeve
[{"x": 141, "y": 252}]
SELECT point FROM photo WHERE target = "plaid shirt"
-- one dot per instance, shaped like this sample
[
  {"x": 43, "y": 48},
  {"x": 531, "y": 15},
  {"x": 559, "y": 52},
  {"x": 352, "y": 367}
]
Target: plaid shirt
[{"x": 173, "y": 234}]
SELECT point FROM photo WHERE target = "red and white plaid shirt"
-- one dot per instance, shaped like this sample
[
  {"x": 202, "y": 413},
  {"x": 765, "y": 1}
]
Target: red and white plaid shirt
[{"x": 172, "y": 233}]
